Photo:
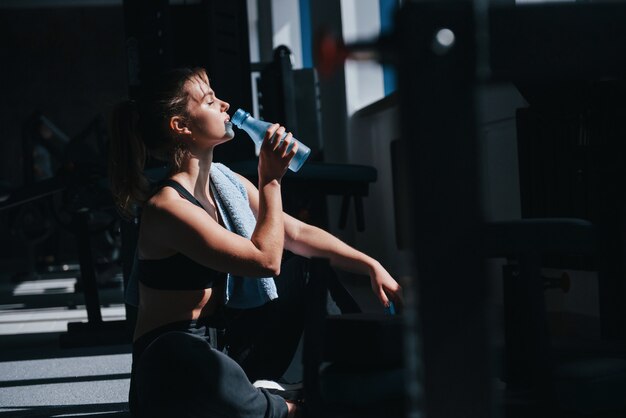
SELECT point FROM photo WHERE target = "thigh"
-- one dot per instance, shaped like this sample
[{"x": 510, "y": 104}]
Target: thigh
[{"x": 180, "y": 375}]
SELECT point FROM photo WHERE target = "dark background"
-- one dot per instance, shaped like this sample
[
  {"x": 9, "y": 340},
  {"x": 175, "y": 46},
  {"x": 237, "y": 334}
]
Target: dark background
[{"x": 68, "y": 63}]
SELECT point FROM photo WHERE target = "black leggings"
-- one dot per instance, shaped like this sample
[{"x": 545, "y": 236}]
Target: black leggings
[{"x": 177, "y": 373}]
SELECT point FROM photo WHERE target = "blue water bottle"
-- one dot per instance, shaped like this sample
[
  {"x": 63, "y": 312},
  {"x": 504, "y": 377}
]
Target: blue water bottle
[{"x": 257, "y": 128}]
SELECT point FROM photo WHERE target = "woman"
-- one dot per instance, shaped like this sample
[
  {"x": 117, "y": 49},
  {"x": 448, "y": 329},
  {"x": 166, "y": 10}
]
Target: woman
[{"x": 184, "y": 249}]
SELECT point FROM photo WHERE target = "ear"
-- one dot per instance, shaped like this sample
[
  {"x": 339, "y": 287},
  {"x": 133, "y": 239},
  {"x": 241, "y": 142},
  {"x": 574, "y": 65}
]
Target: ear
[{"x": 179, "y": 126}]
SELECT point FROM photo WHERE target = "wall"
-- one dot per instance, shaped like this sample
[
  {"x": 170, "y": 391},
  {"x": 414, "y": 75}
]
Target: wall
[
  {"x": 364, "y": 79},
  {"x": 372, "y": 129},
  {"x": 286, "y": 24}
]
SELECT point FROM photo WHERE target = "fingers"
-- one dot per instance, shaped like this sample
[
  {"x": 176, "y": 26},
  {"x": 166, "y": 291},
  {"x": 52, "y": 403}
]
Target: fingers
[
  {"x": 270, "y": 134},
  {"x": 398, "y": 299},
  {"x": 385, "y": 295},
  {"x": 382, "y": 296},
  {"x": 288, "y": 147},
  {"x": 280, "y": 142},
  {"x": 283, "y": 144},
  {"x": 277, "y": 140},
  {"x": 294, "y": 148}
]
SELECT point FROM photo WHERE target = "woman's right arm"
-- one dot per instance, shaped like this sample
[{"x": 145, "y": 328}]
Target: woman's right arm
[
  {"x": 269, "y": 235},
  {"x": 179, "y": 226}
]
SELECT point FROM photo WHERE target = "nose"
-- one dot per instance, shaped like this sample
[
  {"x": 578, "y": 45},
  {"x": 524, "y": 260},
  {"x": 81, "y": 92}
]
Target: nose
[{"x": 225, "y": 106}]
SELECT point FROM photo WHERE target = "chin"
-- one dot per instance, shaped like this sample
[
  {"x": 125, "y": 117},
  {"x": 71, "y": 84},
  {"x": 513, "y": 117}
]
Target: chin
[
  {"x": 224, "y": 139},
  {"x": 230, "y": 134}
]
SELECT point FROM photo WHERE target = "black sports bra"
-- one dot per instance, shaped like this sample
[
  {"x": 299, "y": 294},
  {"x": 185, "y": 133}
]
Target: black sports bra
[{"x": 177, "y": 272}]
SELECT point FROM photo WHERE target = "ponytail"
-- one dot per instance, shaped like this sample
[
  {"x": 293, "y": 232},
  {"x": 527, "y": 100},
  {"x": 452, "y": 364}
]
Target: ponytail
[
  {"x": 133, "y": 137},
  {"x": 127, "y": 158}
]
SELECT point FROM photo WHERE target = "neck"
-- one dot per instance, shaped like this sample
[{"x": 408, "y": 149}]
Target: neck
[{"x": 195, "y": 171}]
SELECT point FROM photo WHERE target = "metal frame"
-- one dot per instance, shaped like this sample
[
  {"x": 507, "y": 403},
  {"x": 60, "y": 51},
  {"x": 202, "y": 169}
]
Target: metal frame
[{"x": 437, "y": 84}]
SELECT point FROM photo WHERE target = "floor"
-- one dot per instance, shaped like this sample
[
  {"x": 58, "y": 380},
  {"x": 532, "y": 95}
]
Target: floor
[
  {"x": 39, "y": 377},
  {"x": 48, "y": 371}
]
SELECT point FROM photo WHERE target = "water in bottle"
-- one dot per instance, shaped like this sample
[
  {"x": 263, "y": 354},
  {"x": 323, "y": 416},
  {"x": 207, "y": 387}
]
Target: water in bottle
[{"x": 256, "y": 130}]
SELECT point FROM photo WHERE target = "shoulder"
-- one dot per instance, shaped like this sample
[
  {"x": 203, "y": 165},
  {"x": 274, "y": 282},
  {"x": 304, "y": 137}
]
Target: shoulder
[
  {"x": 166, "y": 204},
  {"x": 163, "y": 198}
]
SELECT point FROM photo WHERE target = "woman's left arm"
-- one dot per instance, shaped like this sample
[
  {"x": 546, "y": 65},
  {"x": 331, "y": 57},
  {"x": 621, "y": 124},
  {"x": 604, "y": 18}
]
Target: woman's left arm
[{"x": 310, "y": 241}]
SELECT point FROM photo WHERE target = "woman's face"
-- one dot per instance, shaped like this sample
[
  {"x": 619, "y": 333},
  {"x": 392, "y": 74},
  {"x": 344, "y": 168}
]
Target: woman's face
[{"x": 208, "y": 121}]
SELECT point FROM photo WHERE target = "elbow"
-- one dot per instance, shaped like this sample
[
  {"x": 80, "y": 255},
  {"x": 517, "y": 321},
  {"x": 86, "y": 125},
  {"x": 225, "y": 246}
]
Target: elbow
[
  {"x": 272, "y": 268},
  {"x": 269, "y": 261},
  {"x": 270, "y": 265},
  {"x": 261, "y": 270},
  {"x": 265, "y": 267},
  {"x": 266, "y": 272}
]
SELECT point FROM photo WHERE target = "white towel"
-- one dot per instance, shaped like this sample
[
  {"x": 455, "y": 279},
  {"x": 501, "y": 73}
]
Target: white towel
[{"x": 232, "y": 202}]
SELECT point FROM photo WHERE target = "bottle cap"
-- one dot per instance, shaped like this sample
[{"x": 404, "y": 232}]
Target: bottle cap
[{"x": 239, "y": 116}]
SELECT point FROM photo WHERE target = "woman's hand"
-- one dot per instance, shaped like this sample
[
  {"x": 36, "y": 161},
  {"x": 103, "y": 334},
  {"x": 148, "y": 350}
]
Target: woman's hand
[
  {"x": 385, "y": 287},
  {"x": 274, "y": 158}
]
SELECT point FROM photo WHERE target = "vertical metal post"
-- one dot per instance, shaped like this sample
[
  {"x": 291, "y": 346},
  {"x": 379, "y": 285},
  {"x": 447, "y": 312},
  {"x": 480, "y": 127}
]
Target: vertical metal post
[
  {"x": 437, "y": 77},
  {"x": 266, "y": 30},
  {"x": 313, "y": 338},
  {"x": 534, "y": 327},
  {"x": 334, "y": 125},
  {"x": 28, "y": 175},
  {"x": 87, "y": 268}
]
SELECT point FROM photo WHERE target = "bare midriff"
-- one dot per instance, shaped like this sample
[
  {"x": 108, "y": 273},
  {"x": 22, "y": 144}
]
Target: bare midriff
[{"x": 160, "y": 307}]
